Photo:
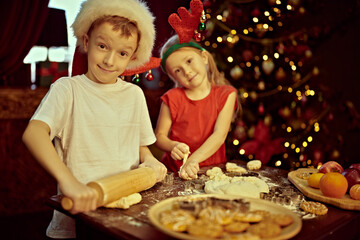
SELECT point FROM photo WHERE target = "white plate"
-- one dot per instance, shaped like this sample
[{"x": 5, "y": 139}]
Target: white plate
[{"x": 255, "y": 204}]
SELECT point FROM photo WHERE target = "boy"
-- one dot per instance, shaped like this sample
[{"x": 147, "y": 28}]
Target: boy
[{"x": 99, "y": 123}]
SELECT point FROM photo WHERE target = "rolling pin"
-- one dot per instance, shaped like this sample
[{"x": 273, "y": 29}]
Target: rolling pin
[{"x": 113, "y": 188}]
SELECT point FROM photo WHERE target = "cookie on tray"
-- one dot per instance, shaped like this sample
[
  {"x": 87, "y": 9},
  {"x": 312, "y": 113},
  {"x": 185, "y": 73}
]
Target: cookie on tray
[
  {"x": 265, "y": 229},
  {"x": 237, "y": 227},
  {"x": 205, "y": 229},
  {"x": 177, "y": 220}
]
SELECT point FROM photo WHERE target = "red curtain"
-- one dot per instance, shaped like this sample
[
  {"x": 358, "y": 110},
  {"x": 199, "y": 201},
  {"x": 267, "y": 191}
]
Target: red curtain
[{"x": 21, "y": 24}]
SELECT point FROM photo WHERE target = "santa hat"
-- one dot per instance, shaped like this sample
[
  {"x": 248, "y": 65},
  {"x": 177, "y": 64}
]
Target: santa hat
[{"x": 134, "y": 10}]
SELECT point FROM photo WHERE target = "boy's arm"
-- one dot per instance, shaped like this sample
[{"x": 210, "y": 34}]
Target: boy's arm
[
  {"x": 215, "y": 140},
  {"x": 177, "y": 149},
  {"x": 36, "y": 138},
  {"x": 147, "y": 159}
]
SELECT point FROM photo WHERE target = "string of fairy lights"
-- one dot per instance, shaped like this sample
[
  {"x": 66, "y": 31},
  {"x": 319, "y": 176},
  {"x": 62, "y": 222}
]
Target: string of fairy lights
[{"x": 263, "y": 64}]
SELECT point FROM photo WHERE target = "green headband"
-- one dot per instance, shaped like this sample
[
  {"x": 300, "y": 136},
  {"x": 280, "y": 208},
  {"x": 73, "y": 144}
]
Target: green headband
[{"x": 175, "y": 47}]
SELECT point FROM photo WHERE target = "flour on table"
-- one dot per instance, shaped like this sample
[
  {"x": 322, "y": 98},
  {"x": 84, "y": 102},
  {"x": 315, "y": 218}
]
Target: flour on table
[{"x": 219, "y": 183}]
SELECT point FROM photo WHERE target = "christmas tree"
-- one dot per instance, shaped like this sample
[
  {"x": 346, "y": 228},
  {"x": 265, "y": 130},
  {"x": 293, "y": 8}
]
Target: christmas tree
[{"x": 265, "y": 49}]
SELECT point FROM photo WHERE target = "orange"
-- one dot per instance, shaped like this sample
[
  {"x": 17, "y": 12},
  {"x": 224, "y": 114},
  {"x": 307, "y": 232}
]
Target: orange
[
  {"x": 314, "y": 180},
  {"x": 355, "y": 192},
  {"x": 333, "y": 184}
]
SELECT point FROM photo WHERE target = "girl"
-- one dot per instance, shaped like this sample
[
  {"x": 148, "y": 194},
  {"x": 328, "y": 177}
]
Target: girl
[{"x": 196, "y": 115}]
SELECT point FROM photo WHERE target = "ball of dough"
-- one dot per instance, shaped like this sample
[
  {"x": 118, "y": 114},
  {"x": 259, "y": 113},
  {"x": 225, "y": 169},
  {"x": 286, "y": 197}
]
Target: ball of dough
[
  {"x": 214, "y": 171},
  {"x": 254, "y": 165},
  {"x": 233, "y": 167}
]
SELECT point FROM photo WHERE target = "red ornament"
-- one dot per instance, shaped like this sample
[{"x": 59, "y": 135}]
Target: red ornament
[
  {"x": 207, "y": 3},
  {"x": 255, "y": 12},
  {"x": 247, "y": 55},
  {"x": 261, "y": 109},
  {"x": 149, "y": 76},
  {"x": 198, "y": 37}
]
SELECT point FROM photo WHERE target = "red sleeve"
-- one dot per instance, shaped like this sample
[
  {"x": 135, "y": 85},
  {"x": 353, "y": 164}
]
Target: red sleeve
[
  {"x": 170, "y": 98},
  {"x": 224, "y": 92}
]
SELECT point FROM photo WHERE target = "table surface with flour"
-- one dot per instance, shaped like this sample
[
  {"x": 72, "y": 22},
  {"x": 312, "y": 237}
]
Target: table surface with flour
[{"x": 134, "y": 223}]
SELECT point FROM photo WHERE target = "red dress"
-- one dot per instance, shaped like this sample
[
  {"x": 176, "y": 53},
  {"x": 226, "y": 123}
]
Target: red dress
[{"x": 193, "y": 122}]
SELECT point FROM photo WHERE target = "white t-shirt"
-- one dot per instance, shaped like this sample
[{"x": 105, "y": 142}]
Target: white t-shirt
[{"x": 97, "y": 130}]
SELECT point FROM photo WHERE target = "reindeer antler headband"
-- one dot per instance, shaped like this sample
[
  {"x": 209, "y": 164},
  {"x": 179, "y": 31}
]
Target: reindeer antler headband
[{"x": 185, "y": 27}]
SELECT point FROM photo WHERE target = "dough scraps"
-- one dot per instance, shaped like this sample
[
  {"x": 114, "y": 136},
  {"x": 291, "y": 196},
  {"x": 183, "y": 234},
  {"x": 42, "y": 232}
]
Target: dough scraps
[
  {"x": 125, "y": 202},
  {"x": 233, "y": 167}
]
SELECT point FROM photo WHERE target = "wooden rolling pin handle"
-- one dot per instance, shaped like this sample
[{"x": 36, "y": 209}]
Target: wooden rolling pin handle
[
  {"x": 115, "y": 187},
  {"x": 67, "y": 203}
]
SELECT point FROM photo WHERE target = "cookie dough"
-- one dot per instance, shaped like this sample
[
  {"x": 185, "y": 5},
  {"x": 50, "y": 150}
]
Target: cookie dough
[
  {"x": 125, "y": 202},
  {"x": 254, "y": 165},
  {"x": 239, "y": 186},
  {"x": 233, "y": 167}
]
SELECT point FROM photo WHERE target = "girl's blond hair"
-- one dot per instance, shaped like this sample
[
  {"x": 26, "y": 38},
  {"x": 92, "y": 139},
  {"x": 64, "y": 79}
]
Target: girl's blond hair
[{"x": 215, "y": 77}]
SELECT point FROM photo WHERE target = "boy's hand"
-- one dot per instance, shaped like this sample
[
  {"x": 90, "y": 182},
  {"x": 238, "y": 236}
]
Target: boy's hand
[
  {"x": 157, "y": 166},
  {"x": 178, "y": 152},
  {"x": 84, "y": 198},
  {"x": 190, "y": 169}
]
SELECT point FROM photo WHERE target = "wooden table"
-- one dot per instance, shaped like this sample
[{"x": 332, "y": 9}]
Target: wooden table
[{"x": 133, "y": 223}]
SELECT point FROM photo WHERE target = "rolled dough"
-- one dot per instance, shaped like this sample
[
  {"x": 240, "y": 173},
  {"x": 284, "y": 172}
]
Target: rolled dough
[
  {"x": 219, "y": 183},
  {"x": 125, "y": 202}
]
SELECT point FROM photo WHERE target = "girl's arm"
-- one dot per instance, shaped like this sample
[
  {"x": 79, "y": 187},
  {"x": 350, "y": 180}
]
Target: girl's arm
[
  {"x": 147, "y": 159},
  {"x": 177, "y": 149},
  {"x": 214, "y": 141},
  {"x": 37, "y": 139}
]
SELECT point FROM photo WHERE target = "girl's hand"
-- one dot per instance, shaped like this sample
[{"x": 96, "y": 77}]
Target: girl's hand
[
  {"x": 190, "y": 169},
  {"x": 178, "y": 152},
  {"x": 158, "y": 167},
  {"x": 84, "y": 198}
]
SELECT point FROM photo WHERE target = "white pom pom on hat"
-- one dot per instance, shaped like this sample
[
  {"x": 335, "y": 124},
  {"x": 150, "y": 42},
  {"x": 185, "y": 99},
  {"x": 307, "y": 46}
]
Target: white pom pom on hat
[{"x": 134, "y": 10}]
